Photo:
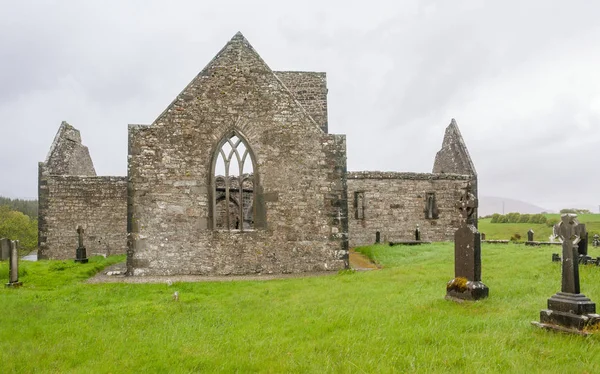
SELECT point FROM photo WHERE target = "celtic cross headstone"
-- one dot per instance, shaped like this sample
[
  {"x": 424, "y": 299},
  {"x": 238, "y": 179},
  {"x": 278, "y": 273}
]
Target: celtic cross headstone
[
  {"x": 569, "y": 309},
  {"x": 467, "y": 284},
  {"x": 80, "y": 255}
]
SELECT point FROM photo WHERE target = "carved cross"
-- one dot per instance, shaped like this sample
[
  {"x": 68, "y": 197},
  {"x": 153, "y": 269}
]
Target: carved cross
[
  {"x": 80, "y": 235},
  {"x": 467, "y": 204},
  {"x": 567, "y": 229}
]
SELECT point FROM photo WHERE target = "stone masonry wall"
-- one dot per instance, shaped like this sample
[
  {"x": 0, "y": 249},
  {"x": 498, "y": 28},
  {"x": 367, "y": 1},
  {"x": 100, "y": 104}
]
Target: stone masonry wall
[
  {"x": 98, "y": 204},
  {"x": 301, "y": 222},
  {"x": 394, "y": 203},
  {"x": 310, "y": 89}
]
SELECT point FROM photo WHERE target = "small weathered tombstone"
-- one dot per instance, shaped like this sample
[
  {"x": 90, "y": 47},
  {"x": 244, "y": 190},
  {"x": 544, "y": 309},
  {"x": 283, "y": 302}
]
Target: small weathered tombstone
[
  {"x": 417, "y": 234},
  {"x": 81, "y": 255},
  {"x": 377, "y": 237},
  {"x": 569, "y": 310},
  {"x": 482, "y": 234},
  {"x": 582, "y": 246},
  {"x": 467, "y": 284},
  {"x": 530, "y": 235},
  {"x": 13, "y": 272},
  {"x": 4, "y": 249},
  {"x": 596, "y": 240},
  {"x": 555, "y": 257}
]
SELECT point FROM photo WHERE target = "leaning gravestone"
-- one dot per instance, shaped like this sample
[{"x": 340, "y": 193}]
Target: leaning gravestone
[
  {"x": 417, "y": 234},
  {"x": 467, "y": 284},
  {"x": 80, "y": 255},
  {"x": 13, "y": 272},
  {"x": 4, "y": 249},
  {"x": 569, "y": 310},
  {"x": 530, "y": 235}
]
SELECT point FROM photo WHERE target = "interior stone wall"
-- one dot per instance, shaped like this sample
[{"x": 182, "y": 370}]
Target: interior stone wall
[
  {"x": 98, "y": 204},
  {"x": 395, "y": 203}
]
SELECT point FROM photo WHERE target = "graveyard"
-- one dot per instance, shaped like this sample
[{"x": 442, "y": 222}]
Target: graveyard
[{"x": 392, "y": 319}]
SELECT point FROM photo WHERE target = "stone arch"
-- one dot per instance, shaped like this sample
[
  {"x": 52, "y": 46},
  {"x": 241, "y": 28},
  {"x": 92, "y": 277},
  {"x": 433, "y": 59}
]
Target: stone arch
[{"x": 233, "y": 157}]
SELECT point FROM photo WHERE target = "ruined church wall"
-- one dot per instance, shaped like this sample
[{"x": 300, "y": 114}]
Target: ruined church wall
[
  {"x": 394, "y": 203},
  {"x": 98, "y": 204},
  {"x": 304, "y": 200},
  {"x": 310, "y": 89},
  {"x": 299, "y": 174}
]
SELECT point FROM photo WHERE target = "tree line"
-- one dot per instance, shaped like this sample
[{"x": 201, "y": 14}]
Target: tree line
[
  {"x": 27, "y": 207},
  {"x": 518, "y": 218},
  {"x": 18, "y": 221}
]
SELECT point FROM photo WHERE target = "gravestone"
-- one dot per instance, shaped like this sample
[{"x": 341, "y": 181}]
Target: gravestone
[
  {"x": 530, "y": 235},
  {"x": 482, "y": 234},
  {"x": 582, "y": 246},
  {"x": 4, "y": 249},
  {"x": 569, "y": 310},
  {"x": 467, "y": 284},
  {"x": 596, "y": 241},
  {"x": 377, "y": 237},
  {"x": 555, "y": 257},
  {"x": 417, "y": 234},
  {"x": 13, "y": 272},
  {"x": 80, "y": 255}
]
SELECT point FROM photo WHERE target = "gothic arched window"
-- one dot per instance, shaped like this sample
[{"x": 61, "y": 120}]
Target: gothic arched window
[{"x": 233, "y": 185}]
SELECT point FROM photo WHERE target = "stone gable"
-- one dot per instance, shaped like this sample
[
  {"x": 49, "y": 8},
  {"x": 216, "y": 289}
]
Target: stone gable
[{"x": 299, "y": 176}]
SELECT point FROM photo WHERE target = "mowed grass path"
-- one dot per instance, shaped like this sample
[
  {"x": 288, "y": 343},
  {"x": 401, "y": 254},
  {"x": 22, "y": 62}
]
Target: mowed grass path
[
  {"x": 390, "y": 320},
  {"x": 542, "y": 232}
]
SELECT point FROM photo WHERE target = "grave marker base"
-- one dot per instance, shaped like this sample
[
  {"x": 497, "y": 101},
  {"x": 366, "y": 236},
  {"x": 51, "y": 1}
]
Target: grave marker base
[
  {"x": 473, "y": 290},
  {"x": 568, "y": 312}
]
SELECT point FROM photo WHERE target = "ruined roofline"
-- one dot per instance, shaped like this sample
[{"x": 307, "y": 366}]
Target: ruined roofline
[
  {"x": 238, "y": 37},
  {"x": 300, "y": 72},
  {"x": 406, "y": 175},
  {"x": 67, "y": 154},
  {"x": 62, "y": 129},
  {"x": 453, "y": 157}
]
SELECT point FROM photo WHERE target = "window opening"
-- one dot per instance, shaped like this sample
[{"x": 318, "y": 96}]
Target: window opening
[
  {"x": 234, "y": 186},
  {"x": 359, "y": 205},
  {"x": 431, "y": 210}
]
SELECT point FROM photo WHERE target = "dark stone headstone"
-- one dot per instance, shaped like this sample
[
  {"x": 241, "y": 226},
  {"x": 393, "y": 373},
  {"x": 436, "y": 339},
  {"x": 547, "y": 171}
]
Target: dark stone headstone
[
  {"x": 555, "y": 257},
  {"x": 569, "y": 309},
  {"x": 467, "y": 284},
  {"x": 13, "y": 272},
  {"x": 377, "y": 237},
  {"x": 482, "y": 235},
  {"x": 417, "y": 234},
  {"x": 80, "y": 255},
  {"x": 530, "y": 235},
  {"x": 582, "y": 246}
]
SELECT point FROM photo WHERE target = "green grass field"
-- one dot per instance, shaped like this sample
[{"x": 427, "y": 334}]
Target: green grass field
[
  {"x": 542, "y": 232},
  {"x": 390, "y": 320}
]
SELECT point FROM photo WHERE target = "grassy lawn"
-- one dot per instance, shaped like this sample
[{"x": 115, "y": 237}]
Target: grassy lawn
[
  {"x": 504, "y": 231},
  {"x": 389, "y": 320}
]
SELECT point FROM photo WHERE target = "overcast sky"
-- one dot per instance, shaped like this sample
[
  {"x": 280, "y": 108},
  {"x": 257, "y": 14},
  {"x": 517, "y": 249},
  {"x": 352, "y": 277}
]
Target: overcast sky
[{"x": 522, "y": 79}]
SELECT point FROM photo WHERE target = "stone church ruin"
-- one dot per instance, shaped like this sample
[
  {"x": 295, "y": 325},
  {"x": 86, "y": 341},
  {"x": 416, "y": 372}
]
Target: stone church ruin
[{"x": 239, "y": 175}]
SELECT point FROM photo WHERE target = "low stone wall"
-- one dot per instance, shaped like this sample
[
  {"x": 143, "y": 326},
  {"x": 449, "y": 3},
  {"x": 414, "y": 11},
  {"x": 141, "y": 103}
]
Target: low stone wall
[
  {"x": 98, "y": 204},
  {"x": 395, "y": 203}
]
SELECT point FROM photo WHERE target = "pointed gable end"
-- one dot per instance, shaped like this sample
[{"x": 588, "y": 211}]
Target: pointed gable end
[
  {"x": 454, "y": 157},
  {"x": 238, "y": 76},
  {"x": 67, "y": 155}
]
